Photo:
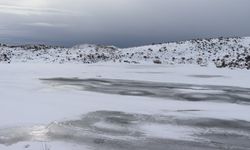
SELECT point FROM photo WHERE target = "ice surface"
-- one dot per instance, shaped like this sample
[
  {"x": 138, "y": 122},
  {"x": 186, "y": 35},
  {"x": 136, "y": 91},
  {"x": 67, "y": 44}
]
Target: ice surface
[{"x": 86, "y": 112}]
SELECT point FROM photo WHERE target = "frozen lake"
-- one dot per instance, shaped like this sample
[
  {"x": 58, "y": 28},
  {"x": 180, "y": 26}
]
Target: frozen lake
[{"x": 123, "y": 107}]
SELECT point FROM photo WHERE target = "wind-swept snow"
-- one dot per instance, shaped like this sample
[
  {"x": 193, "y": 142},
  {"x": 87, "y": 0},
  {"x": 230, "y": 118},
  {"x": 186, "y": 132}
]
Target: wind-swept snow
[{"x": 97, "y": 107}]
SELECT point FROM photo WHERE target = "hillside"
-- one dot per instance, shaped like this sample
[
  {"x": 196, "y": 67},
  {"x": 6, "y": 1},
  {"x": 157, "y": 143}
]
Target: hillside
[{"x": 222, "y": 52}]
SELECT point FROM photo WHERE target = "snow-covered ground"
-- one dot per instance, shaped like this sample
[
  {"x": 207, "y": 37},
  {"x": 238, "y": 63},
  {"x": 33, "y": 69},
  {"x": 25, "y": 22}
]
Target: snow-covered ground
[
  {"x": 220, "y": 52},
  {"x": 121, "y": 106}
]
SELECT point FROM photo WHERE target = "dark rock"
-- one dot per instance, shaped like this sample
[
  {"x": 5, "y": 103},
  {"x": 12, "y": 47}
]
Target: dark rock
[
  {"x": 157, "y": 62},
  {"x": 247, "y": 58}
]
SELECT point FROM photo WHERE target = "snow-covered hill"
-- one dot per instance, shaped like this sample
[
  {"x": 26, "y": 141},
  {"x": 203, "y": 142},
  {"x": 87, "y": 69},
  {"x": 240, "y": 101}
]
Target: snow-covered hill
[{"x": 222, "y": 52}]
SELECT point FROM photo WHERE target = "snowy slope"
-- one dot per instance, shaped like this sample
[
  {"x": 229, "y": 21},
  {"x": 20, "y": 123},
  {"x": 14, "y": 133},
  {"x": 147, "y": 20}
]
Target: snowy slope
[{"x": 222, "y": 52}]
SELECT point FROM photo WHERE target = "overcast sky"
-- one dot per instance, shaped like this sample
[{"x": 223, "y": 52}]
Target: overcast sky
[{"x": 122, "y": 23}]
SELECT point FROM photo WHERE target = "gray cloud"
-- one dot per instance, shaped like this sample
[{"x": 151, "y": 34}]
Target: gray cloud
[
  {"x": 46, "y": 24},
  {"x": 20, "y": 10},
  {"x": 121, "y": 22}
]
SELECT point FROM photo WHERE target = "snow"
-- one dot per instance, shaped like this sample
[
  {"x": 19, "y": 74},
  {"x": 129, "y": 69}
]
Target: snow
[
  {"x": 48, "y": 103},
  {"x": 220, "y": 52},
  {"x": 27, "y": 101},
  {"x": 44, "y": 146},
  {"x": 169, "y": 131}
]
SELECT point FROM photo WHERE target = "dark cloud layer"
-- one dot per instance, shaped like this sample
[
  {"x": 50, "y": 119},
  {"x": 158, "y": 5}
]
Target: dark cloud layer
[{"x": 120, "y": 22}]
